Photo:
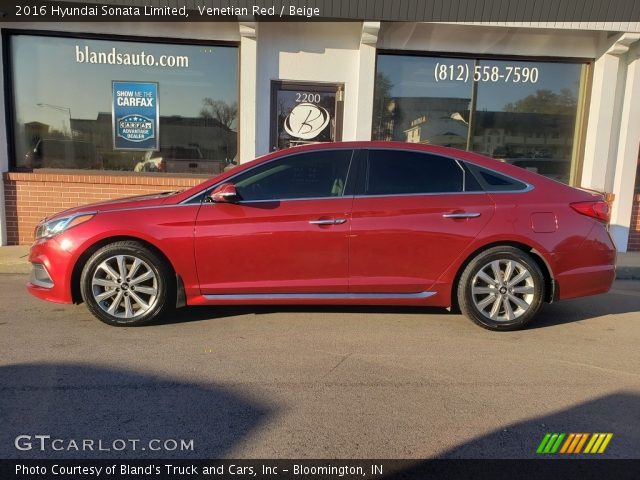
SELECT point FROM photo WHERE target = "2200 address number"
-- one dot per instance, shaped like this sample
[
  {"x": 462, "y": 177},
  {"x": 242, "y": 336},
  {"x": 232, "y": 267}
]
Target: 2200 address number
[{"x": 485, "y": 73}]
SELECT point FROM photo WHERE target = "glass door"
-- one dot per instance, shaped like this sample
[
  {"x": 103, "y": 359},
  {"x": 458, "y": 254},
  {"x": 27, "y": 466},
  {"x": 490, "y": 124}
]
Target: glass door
[{"x": 303, "y": 113}]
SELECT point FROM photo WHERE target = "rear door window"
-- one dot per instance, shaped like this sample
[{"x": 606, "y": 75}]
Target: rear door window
[{"x": 398, "y": 172}]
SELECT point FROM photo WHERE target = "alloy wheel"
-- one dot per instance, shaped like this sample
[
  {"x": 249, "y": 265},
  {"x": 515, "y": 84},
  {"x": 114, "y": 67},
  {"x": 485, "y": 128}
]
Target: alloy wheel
[
  {"x": 124, "y": 286},
  {"x": 503, "y": 290}
]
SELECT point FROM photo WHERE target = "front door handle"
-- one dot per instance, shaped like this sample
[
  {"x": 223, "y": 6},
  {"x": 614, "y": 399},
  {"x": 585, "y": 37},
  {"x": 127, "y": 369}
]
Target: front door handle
[
  {"x": 328, "y": 221},
  {"x": 455, "y": 215}
]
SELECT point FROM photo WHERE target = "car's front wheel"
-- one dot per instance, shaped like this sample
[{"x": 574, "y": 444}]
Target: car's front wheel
[
  {"x": 126, "y": 284},
  {"x": 501, "y": 289}
]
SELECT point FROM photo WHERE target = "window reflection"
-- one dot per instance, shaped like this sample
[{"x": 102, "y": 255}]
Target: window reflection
[
  {"x": 530, "y": 125},
  {"x": 409, "y": 105},
  {"x": 63, "y": 104},
  {"x": 520, "y": 112}
]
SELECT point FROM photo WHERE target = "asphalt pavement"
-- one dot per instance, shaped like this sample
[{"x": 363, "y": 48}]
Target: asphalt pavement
[{"x": 304, "y": 382}]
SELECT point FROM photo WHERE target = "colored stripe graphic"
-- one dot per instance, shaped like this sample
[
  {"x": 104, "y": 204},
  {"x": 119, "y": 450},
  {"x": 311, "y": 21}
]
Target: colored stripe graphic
[
  {"x": 567, "y": 443},
  {"x": 598, "y": 443},
  {"x": 550, "y": 443},
  {"x": 556, "y": 446},
  {"x": 581, "y": 443},
  {"x": 574, "y": 443},
  {"x": 605, "y": 444},
  {"x": 543, "y": 443},
  {"x": 591, "y": 443},
  {"x": 556, "y": 443}
]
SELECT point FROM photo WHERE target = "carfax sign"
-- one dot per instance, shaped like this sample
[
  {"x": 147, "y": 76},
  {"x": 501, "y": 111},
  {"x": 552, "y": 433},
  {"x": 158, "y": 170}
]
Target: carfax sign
[{"x": 135, "y": 116}]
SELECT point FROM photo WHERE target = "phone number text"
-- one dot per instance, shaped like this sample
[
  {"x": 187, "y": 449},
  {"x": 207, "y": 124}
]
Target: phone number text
[{"x": 446, "y": 72}]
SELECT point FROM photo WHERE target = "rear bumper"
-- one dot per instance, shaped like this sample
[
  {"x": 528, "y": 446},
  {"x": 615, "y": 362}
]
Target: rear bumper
[
  {"x": 586, "y": 281},
  {"x": 51, "y": 272},
  {"x": 589, "y": 270}
]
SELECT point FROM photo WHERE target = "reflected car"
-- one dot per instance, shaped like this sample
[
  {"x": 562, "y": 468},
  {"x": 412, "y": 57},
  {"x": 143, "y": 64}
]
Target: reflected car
[
  {"x": 349, "y": 223},
  {"x": 63, "y": 153}
]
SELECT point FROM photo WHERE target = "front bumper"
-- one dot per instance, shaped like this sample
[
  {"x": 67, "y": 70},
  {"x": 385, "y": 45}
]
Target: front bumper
[{"x": 51, "y": 273}]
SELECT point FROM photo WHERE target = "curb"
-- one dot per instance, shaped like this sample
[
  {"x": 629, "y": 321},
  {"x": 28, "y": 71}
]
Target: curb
[{"x": 628, "y": 273}]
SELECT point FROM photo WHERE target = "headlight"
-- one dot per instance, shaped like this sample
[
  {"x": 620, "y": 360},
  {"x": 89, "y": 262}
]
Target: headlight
[{"x": 59, "y": 225}]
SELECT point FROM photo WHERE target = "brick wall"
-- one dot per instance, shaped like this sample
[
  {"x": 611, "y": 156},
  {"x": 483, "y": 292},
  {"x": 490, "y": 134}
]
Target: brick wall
[
  {"x": 634, "y": 231},
  {"x": 32, "y": 196}
]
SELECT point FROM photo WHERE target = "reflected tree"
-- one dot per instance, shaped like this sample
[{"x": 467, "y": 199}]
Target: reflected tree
[
  {"x": 220, "y": 110},
  {"x": 545, "y": 101},
  {"x": 382, "y": 114}
]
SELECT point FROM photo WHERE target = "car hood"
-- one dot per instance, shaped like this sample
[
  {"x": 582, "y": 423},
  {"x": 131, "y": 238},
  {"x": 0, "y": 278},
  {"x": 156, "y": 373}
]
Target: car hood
[{"x": 138, "y": 201}]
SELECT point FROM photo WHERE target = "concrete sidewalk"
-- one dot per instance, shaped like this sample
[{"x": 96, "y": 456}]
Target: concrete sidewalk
[{"x": 14, "y": 260}]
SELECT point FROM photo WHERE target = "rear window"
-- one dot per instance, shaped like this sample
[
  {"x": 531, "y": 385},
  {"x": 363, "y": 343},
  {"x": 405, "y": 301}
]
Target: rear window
[{"x": 492, "y": 181}]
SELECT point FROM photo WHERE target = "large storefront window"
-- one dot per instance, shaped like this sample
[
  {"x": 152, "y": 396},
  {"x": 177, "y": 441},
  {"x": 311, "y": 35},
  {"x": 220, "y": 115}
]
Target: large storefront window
[
  {"x": 520, "y": 112},
  {"x": 124, "y": 106}
]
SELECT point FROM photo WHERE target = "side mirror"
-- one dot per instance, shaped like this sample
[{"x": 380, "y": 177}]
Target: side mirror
[{"x": 225, "y": 193}]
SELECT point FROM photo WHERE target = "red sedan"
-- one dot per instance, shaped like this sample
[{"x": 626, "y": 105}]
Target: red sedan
[{"x": 373, "y": 223}]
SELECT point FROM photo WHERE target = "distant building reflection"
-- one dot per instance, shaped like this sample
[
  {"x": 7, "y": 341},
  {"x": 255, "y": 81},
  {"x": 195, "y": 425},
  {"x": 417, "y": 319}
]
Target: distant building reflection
[{"x": 195, "y": 145}]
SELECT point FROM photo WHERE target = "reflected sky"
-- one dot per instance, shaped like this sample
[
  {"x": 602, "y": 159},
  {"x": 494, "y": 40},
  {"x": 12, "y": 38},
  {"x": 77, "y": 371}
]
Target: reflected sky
[{"x": 46, "y": 71}]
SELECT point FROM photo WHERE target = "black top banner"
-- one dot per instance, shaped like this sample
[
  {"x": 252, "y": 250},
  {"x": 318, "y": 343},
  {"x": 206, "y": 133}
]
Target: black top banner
[{"x": 537, "y": 11}]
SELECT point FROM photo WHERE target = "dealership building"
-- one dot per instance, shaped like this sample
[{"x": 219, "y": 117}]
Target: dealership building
[{"x": 98, "y": 110}]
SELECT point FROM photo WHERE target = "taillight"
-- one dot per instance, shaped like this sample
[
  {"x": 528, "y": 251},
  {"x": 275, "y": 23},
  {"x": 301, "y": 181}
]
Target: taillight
[{"x": 598, "y": 210}]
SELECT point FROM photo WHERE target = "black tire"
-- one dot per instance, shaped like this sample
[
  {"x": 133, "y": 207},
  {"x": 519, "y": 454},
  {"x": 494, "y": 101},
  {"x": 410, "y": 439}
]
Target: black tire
[
  {"x": 491, "y": 304},
  {"x": 136, "y": 257}
]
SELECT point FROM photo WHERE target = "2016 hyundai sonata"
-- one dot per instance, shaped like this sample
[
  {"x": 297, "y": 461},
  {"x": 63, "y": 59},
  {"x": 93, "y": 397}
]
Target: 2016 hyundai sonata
[{"x": 374, "y": 223}]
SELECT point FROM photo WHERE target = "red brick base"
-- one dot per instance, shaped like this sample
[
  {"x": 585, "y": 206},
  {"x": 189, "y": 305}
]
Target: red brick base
[
  {"x": 634, "y": 230},
  {"x": 30, "y": 197}
]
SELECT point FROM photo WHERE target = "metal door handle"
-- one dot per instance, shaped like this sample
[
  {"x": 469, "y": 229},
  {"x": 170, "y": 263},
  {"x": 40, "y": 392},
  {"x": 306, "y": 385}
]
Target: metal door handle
[
  {"x": 461, "y": 215},
  {"x": 328, "y": 221}
]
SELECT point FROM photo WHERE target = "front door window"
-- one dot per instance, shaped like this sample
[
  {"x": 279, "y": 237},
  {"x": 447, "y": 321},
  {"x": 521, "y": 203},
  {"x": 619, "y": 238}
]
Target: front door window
[{"x": 306, "y": 175}]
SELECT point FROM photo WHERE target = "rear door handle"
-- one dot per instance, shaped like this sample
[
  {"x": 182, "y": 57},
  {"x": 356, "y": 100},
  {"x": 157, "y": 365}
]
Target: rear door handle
[
  {"x": 328, "y": 221},
  {"x": 455, "y": 215}
]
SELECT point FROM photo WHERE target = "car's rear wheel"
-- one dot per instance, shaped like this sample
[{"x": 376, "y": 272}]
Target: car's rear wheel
[
  {"x": 501, "y": 289},
  {"x": 126, "y": 284}
]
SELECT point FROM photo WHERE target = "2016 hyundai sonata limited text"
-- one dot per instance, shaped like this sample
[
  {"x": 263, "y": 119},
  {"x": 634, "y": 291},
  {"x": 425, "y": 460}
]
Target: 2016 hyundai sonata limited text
[{"x": 367, "y": 223}]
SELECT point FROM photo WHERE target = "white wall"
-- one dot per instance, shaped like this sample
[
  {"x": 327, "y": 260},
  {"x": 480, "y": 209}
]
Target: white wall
[
  {"x": 4, "y": 161},
  {"x": 627, "y": 143},
  {"x": 310, "y": 52},
  {"x": 613, "y": 130},
  {"x": 247, "y": 90}
]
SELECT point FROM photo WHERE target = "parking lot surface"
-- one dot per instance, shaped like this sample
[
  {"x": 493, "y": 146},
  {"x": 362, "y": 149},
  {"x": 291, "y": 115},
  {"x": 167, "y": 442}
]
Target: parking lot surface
[{"x": 271, "y": 382}]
